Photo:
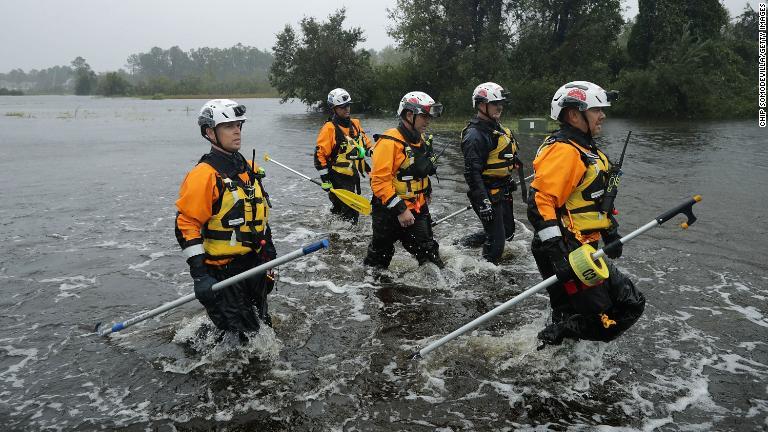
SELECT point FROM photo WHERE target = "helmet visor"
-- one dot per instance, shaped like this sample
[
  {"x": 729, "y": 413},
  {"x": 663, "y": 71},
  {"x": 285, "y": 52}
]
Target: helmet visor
[{"x": 434, "y": 111}]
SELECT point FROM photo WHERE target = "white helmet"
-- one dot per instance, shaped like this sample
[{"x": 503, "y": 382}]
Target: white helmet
[
  {"x": 420, "y": 103},
  {"x": 218, "y": 111},
  {"x": 582, "y": 95},
  {"x": 338, "y": 97},
  {"x": 488, "y": 92}
]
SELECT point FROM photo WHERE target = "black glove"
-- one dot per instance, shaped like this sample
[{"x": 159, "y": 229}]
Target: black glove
[
  {"x": 512, "y": 185},
  {"x": 558, "y": 255},
  {"x": 485, "y": 211},
  {"x": 612, "y": 246},
  {"x": 203, "y": 281}
]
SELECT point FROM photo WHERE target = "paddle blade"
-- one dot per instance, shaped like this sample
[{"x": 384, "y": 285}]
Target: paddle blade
[{"x": 353, "y": 200}]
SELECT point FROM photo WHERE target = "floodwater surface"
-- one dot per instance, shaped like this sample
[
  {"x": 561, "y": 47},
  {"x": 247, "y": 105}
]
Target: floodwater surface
[{"x": 88, "y": 188}]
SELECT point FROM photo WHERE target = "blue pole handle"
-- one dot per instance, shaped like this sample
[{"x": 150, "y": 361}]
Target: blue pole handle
[{"x": 316, "y": 246}]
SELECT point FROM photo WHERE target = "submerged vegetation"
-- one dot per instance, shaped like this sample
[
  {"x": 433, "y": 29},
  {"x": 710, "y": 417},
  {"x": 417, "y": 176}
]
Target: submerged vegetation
[
  {"x": 674, "y": 59},
  {"x": 5, "y": 92}
]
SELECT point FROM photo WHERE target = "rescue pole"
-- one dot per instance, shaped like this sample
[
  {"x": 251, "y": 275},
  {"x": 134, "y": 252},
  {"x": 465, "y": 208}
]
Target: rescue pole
[
  {"x": 462, "y": 210},
  {"x": 351, "y": 199},
  {"x": 216, "y": 287},
  {"x": 457, "y": 212},
  {"x": 685, "y": 208}
]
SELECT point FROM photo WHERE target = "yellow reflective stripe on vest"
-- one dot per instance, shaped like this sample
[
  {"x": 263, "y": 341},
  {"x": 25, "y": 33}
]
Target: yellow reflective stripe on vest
[
  {"x": 409, "y": 187},
  {"x": 223, "y": 242},
  {"x": 348, "y": 160},
  {"x": 499, "y": 163},
  {"x": 581, "y": 210}
]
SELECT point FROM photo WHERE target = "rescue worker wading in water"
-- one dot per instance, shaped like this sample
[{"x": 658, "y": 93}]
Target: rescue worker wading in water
[
  {"x": 401, "y": 188},
  {"x": 564, "y": 210},
  {"x": 221, "y": 223},
  {"x": 490, "y": 158},
  {"x": 340, "y": 153}
]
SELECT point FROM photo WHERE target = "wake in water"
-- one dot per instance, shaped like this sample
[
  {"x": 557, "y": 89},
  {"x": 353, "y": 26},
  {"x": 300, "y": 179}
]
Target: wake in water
[{"x": 219, "y": 351}]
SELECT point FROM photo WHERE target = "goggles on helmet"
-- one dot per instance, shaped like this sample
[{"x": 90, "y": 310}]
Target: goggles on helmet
[
  {"x": 434, "y": 110},
  {"x": 239, "y": 110}
]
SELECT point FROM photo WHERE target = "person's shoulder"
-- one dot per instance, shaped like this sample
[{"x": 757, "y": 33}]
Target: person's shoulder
[
  {"x": 556, "y": 144},
  {"x": 327, "y": 126},
  {"x": 202, "y": 170},
  {"x": 390, "y": 138},
  {"x": 391, "y": 135},
  {"x": 472, "y": 132},
  {"x": 555, "y": 139}
]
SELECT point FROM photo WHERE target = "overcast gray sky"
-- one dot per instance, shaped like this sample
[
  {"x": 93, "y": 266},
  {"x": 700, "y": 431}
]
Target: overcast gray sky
[{"x": 42, "y": 33}]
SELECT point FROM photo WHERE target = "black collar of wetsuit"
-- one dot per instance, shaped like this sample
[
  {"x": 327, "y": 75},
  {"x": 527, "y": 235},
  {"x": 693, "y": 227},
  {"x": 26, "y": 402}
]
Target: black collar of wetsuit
[
  {"x": 568, "y": 132},
  {"x": 485, "y": 125},
  {"x": 411, "y": 137},
  {"x": 343, "y": 122},
  {"x": 229, "y": 164}
]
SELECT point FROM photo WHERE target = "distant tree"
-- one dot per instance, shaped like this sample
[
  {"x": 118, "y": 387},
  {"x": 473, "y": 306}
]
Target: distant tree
[
  {"x": 661, "y": 23},
  {"x": 205, "y": 70},
  {"x": 324, "y": 57},
  {"x": 745, "y": 26},
  {"x": 5, "y": 92},
  {"x": 388, "y": 55},
  {"x": 113, "y": 84},
  {"x": 564, "y": 39},
  {"x": 451, "y": 42},
  {"x": 85, "y": 78}
]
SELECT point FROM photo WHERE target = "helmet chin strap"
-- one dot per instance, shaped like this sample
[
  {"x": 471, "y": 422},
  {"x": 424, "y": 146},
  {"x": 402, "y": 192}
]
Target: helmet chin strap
[
  {"x": 414, "y": 133},
  {"x": 485, "y": 113},
  {"x": 215, "y": 143},
  {"x": 584, "y": 116}
]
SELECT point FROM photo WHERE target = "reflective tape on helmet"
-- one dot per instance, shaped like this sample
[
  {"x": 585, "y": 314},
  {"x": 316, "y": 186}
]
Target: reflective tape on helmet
[
  {"x": 193, "y": 251},
  {"x": 549, "y": 232}
]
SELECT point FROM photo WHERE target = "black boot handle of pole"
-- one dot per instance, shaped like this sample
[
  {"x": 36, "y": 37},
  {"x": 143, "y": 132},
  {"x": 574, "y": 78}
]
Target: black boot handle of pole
[{"x": 685, "y": 208}]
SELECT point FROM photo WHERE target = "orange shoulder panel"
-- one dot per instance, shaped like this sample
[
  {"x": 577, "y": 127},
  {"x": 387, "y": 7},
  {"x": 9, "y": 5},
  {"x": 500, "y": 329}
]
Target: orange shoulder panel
[
  {"x": 386, "y": 159},
  {"x": 326, "y": 139},
  {"x": 197, "y": 194},
  {"x": 559, "y": 170}
]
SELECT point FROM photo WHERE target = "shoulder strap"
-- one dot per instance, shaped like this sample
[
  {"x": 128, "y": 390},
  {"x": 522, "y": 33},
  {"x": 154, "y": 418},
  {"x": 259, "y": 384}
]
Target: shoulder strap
[{"x": 339, "y": 137}]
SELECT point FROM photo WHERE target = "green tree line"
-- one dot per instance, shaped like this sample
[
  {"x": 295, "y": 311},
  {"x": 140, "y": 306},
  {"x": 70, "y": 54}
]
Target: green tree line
[
  {"x": 679, "y": 59},
  {"x": 204, "y": 71}
]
